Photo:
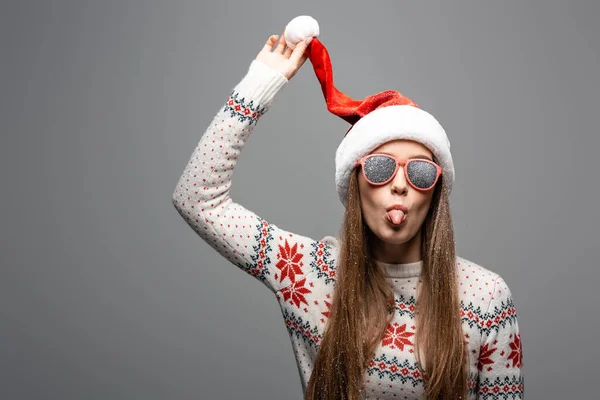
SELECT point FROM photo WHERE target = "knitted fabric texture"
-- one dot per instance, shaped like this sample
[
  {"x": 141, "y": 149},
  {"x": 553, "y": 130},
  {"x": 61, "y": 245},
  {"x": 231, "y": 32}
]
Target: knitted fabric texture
[{"x": 301, "y": 271}]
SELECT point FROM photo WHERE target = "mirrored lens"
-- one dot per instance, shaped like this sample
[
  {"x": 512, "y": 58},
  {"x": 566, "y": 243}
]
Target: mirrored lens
[
  {"x": 421, "y": 173},
  {"x": 379, "y": 169}
]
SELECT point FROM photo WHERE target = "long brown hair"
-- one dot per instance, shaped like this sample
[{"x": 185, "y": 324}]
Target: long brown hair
[{"x": 363, "y": 306}]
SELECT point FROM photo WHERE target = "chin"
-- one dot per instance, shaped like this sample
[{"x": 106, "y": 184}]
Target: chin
[{"x": 394, "y": 236}]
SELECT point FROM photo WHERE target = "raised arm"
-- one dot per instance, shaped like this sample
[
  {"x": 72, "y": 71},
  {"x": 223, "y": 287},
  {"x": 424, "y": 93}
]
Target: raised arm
[
  {"x": 501, "y": 355},
  {"x": 276, "y": 257}
]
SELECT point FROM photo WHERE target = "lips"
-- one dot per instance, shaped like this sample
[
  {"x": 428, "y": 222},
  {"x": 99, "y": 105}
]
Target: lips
[{"x": 401, "y": 207}]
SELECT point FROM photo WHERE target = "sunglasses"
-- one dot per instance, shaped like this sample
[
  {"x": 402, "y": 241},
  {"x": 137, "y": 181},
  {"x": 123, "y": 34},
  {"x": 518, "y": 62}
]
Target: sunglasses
[{"x": 379, "y": 169}]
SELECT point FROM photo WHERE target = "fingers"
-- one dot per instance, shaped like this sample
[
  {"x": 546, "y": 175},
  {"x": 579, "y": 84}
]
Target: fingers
[
  {"x": 281, "y": 46},
  {"x": 299, "y": 55},
  {"x": 270, "y": 42}
]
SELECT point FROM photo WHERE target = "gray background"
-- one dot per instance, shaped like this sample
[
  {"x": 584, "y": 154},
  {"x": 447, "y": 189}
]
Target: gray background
[{"x": 107, "y": 293}]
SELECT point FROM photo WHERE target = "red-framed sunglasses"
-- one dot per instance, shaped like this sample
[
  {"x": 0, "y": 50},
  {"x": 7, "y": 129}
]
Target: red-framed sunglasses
[{"x": 378, "y": 169}]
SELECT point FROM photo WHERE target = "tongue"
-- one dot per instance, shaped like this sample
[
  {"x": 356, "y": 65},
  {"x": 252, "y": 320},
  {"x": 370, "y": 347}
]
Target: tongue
[{"x": 395, "y": 216}]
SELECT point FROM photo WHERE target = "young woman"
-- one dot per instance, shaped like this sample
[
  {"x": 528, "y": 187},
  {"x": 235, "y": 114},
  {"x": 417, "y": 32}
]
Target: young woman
[{"x": 387, "y": 310}]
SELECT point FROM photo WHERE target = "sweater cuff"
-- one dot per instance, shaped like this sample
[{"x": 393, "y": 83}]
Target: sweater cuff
[{"x": 261, "y": 84}]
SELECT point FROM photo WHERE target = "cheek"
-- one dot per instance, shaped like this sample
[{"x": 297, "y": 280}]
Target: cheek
[
  {"x": 421, "y": 206},
  {"x": 369, "y": 200}
]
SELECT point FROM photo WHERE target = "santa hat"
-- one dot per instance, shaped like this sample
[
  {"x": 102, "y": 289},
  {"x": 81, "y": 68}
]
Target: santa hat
[{"x": 374, "y": 120}]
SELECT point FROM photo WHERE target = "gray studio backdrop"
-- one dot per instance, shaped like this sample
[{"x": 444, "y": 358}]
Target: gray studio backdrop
[{"x": 106, "y": 293}]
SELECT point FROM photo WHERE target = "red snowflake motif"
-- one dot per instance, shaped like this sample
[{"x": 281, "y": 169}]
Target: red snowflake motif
[
  {"x": 516, "y": 354},
  {"x": 397, "y": 337},
  {"x": 296, "y": 292},
  {"x": 326, "y": 313},
  {"x": 484, "y": 357},
  {"x": 289, "y": 261}
]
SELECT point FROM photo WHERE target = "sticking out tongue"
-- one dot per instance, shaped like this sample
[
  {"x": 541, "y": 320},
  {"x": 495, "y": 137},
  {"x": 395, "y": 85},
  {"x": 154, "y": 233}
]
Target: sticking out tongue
[{"x": 395, "y": 216}]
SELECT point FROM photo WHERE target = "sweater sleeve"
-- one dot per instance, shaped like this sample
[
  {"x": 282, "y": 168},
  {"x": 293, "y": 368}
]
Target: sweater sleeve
[
  {"x": 501, "y": 356},
  {"x": 274, "y": 256}
]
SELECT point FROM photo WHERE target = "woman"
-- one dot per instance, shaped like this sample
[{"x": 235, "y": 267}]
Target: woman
[{"x": 387, "y": 310}]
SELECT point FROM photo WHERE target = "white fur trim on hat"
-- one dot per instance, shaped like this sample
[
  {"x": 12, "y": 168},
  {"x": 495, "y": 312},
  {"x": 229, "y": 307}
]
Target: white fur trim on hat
[{"x": 383, "y": 125}]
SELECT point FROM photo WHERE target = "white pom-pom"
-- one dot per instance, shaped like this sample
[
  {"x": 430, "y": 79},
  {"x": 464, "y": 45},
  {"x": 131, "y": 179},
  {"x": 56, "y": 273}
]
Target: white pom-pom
[{"x": 300, "y": 28}]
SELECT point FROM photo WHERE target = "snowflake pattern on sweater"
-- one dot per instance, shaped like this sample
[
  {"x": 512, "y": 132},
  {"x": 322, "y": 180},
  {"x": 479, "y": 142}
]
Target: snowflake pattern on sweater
[{"x": 300, "y": 271}]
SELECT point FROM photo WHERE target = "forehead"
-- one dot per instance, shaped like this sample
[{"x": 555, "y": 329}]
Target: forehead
[{"x": 403, "y": 148}]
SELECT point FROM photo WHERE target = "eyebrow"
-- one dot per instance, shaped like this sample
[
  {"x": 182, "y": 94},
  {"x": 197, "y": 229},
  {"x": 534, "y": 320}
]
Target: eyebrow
[{"x": 413, "y": 156}]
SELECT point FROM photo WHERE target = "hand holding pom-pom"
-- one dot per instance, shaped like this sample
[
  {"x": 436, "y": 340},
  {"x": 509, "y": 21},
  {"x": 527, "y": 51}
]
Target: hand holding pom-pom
[{"x": 290, "y": 55}]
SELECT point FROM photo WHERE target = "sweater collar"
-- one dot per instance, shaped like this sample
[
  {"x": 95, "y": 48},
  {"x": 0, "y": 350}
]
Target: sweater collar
[{"x": 406, "y": 270}]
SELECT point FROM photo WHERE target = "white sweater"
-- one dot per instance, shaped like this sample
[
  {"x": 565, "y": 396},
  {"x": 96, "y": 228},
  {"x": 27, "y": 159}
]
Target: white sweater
[{"x": 300, "y": 271}]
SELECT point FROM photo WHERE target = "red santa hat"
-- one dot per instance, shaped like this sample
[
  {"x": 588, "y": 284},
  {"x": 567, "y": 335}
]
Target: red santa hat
[{"x": 375, "y": 120}]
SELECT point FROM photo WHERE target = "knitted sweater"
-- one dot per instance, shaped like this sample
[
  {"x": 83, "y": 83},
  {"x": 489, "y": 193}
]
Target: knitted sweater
[{"x": 301, "y": 272}]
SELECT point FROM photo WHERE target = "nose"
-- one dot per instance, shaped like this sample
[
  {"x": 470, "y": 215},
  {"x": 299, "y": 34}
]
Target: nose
[{"x": 398, "y": 183}]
